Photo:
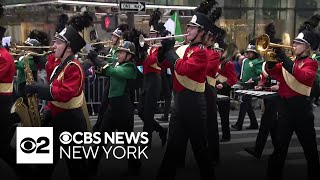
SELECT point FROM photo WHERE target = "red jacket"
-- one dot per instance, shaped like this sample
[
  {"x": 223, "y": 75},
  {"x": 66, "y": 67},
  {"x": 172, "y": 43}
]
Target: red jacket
[
  {"x": 229, "y": 72},
  {"x": 213, "y": 62},
  {"x": 165, "y": 65},
  {"x": 304, "y": 70},
  {"x": 193, "y": 65},
  {"x": 151, "y": 64},
  {"x": 7, "y": 72},
  {"x": 67, "y": 85}
]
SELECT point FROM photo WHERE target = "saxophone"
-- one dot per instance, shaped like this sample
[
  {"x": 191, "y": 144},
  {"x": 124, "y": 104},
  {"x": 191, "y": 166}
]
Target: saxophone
[{"x": 29, "y": 114}]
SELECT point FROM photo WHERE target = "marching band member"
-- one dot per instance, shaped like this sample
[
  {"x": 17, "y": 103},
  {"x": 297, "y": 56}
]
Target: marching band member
[
  {"x": 190, "y": 104},
  {"x": 151, "y": 86},
  {"x": 211, "y": 95},
  {"x": 226, "y": 78},
  {"x": 269, "y": 117},
  {"x": 112, "y": 58},
  {"x": 250, "y": 75},
  {"x": 7, "y": 72},
  {"x": 166, "y": 89},
  {"x": 35, "y": 38},
  {"x": 120, "y": 115},
  {"x": 295, "y": 111},
  {"x": 65, "y": 95}
]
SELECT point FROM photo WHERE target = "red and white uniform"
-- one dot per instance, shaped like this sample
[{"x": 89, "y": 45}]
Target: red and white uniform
[
  {"x": 151, "y": 63},
  {"x": 213, "y": 65},
  {"x": 227, "y": 70},
  {"x": 67, "y": 85},
  {"x": 7, "y": 72},
  {"x": 192, "y": 67},
  {"x": 304, "y": 71}
]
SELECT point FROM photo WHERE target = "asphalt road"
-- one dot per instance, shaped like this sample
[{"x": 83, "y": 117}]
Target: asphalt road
[{"x": 235, "y": 162}]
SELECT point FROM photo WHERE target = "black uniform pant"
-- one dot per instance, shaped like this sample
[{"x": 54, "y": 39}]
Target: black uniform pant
[
  {"x": 166, "y": 86},
  {"x": 119, "y": 116},
  {"x": 245, "y": 107},
  {"x": 224, "y": 111},
  {"x": 5, "y": 135},
  {"x": 103, "y": 107},
  {"x": 212, "y": 124},
  {"x": 148, "y": 103},
  {"x": 72, "y": 121},
  {"x": 268, "y": 124},
  {"x": 295, "y": 115},
  {"x": 189, "y": 124}
]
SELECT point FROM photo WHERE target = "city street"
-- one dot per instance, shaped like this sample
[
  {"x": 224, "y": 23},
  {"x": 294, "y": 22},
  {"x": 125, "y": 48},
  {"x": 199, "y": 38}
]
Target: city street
[{"x": 235, "y": 162}]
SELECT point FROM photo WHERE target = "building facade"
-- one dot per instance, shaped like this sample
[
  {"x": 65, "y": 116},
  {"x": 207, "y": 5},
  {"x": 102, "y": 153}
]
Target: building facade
[{"x": 242, "y": 19}]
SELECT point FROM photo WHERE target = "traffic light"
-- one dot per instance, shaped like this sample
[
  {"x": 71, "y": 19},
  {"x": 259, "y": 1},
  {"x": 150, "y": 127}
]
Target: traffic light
[{"x": 109, "y": 22}]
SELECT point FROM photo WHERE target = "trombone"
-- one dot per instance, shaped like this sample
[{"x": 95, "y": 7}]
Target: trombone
[
  {"x": 19, "y": 52},
  {"x": 142, "y": 39},
  {"x": 30, "y": 53},
  {"x": 100, "y": 56},
  {"x": 265, "y": 48},
  {"x": 15, "y": 46}
]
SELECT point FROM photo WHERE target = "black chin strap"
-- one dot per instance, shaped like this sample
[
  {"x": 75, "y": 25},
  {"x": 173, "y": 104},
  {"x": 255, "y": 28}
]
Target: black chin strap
[
  {"x": 304, "y": 54},
  {"x": 125, "y": 57},
  {"x": 196, "y": 35},
  {"x": 64, "y": 51}
]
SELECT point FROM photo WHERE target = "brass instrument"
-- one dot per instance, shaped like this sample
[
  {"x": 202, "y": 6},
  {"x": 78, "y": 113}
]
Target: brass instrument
[
  {"x": 265, "y": 48},
  {"x": 16, "y": 50},
  {"x": 107, "y": 43},
  {"x": 142, "y": 40},
  {"x": 176, "y": 45},
  {"x": 30, "y": 53},
  {"x": 29, "y": 114},
  {"x": 100, "y": 56},
  {"x": 15, "y": 46}
]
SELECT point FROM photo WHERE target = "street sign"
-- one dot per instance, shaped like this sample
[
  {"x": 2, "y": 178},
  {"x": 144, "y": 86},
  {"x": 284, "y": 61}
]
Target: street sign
[{"x": 127, "y": 6}]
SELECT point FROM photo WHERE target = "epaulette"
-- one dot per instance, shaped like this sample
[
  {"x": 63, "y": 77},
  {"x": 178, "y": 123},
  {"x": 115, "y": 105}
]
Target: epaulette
[{"x": 201, "y": 46}]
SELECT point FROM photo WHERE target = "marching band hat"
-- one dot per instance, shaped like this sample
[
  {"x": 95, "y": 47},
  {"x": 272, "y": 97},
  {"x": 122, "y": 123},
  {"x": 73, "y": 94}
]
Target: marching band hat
[
  {"x": 199, "y": 20},
  {"x": 157, "y": 28},
  {"x": 128, "y": 47},
  {"x": 71, "y": 36},
  {"x": 37, "y": 38},
  {"x": 217, "y": 46},
  {"x": 251, "y": 48},
  {"x": 152, "y": 30},
  {"x": 214, "y": 30},
  {"x": 308, "y": 37},
  {"x": 117, "y": 32}
]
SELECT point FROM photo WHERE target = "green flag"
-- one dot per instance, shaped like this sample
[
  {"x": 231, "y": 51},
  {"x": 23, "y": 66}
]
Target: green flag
[{"x": 173, "y": 25}]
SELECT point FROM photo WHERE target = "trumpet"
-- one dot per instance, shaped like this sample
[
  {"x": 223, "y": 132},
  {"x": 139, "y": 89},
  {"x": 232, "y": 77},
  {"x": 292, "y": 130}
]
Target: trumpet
[
  {"x": 265, "y": 48},
  {"x": 142, "y": 40},
  {"x": 108, "y": 43},
  {"x": 176, "y": 45}
]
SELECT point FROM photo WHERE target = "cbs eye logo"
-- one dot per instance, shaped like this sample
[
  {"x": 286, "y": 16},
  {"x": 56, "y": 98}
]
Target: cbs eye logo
[
  {"x": 65, "y": 137},
  {"x": 29, "y": 145}
]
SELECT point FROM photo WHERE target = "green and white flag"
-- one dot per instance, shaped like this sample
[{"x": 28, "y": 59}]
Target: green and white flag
[{"x": 173, "y": 25}]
